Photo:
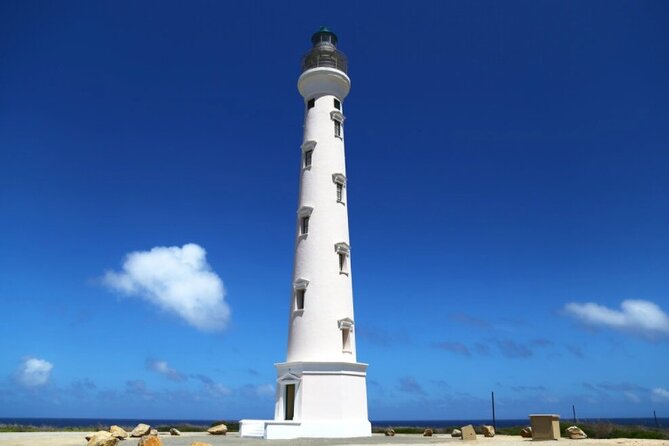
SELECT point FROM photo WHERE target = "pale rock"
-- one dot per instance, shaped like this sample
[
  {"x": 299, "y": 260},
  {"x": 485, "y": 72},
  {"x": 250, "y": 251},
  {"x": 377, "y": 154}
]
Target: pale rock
[
  {"x": 102, "y": 438},
  {"x": 457, "y": 433},
  {"x": 175, "y": 431},
  {"x": 526, "y": 432},
  {"x": 488, "y": 431},
  {"x": 140, "y": 430},
  {"x": 575, "y": 433},
  {"x": 149, "y": 440},
  {"x": 390, "y": 432},
  {"x": 98, "y": 434},
  {"x": 118, "y": 432},
  {"x": 219, "y": 429},
  {"x": 427, "y": 432},
  {"x": 153, "y": 432}
]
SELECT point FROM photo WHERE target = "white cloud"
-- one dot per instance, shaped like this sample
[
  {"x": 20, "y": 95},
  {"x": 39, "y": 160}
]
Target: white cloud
[
  {"x": 164, "y": 369},
  {"x": 34, "y": 372},
  {"x": 640, "y": 316},
  {"x": 178, "y": 280},
  {"x": 659, "y": 394}
]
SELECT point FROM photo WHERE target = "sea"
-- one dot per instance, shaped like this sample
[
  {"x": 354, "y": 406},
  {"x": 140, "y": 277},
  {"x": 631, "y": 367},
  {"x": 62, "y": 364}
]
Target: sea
[{"x": 95, "y": 422}]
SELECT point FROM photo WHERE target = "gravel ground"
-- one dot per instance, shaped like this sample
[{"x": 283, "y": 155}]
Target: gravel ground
[{"x": 232, "y": 439}]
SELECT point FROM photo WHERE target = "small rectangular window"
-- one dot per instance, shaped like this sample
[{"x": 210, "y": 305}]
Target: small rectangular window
[
  {"x": 340, "y": 193},
  {"x": 299, "y": 299},
  {"x": 346, "y": 339},
  {"x": 343, "y": 260},
  {"x": 311, "y": 103},
  {"x": 307, "y": 158},
  {"x": 304, "y": 226},
  {"x": 337, "y": 104},
  {"x": 337, "y": 128}
]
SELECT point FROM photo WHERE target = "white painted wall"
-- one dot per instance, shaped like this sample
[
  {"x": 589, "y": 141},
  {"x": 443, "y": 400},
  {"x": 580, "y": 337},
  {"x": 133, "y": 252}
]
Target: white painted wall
[{"x": 314, "y": 333}]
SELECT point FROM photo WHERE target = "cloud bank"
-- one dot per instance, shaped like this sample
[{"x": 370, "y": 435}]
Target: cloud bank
[
  {"x": 177, "y": 280},
  {"x": 660, "y": 394},
  {"x": 640, "y": 316},
  {"x": 34, "y": 372}
]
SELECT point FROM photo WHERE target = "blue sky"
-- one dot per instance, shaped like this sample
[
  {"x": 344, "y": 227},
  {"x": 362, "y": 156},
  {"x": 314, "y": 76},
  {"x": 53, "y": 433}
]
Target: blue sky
[{"x": 507, "y": 167}]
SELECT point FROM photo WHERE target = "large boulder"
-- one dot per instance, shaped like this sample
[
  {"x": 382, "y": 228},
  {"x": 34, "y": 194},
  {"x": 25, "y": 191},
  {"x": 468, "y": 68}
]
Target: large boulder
[
  {"x": 140, "y": 430},
  {"x": 488, "y": 431},
  {"x": 102, "y": 438},
  {"x": 526, "y": 432},
  {"x": 219, "y": 429},
  {"x": 175, "y": 431},
  {"x": 390, "y": 432},
  {"x": 153, "y": 432},
  {"x": 98, "y": 434},
  {"x": 149, "y": 440},
  {"x": 118, "y": 432},
  {"x": 457, "y": 433},
  {"x": 575, "y": 433},
  {"x": 468, "y": 432},
  {"x": 427, "y": 432}
]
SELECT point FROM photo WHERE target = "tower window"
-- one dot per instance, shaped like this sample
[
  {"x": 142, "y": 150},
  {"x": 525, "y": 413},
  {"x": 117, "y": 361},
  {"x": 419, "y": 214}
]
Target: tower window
[
  {"x": 340, "y": 182},
  {"x": 346, "y": 327},
  {"x": 311, "y": 103},
  {"x": 299, "y": 292},
  {"x": 307, "y": 158},
  {"x": 343, "y": 260},
  {"x": 337, "y": 129},
  {"x": 337, "y": 104},
  {"x": 304, "y": 225},
  {"x": 299, "y": 299},
  {"x": 346, "y": 340}
]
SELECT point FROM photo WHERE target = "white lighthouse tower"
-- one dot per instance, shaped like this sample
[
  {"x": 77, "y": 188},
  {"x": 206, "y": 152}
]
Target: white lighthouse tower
[{"x": 321, "y": 388}]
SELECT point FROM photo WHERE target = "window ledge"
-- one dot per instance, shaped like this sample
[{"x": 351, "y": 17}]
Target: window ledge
[
  {"x": 306, "y": 168},
  {"x": 347, "y": 351},
  {"x": 341, "y": 202},
  {"x": 343, "y": 273},
  {"x": 297, "y": 312},
  {"x": 302, "y": 236},
  {"x": 340, "y": 137}
]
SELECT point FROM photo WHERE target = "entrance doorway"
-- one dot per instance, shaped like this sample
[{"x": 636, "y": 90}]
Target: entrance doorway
[{"x": 289, "y": 401}]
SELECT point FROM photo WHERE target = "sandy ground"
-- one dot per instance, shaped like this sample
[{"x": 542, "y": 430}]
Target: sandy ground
[{"x": 77, "y": 439}]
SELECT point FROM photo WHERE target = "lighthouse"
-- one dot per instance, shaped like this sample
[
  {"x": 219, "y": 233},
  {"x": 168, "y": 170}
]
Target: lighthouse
[{"x": 321, "y": 387}]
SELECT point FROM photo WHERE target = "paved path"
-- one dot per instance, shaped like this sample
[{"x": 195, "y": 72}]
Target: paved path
[{"x": 232, "y": 439}]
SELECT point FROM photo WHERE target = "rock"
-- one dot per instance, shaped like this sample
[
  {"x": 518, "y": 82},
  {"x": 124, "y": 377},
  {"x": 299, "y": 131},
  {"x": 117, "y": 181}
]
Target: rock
[
  {"x": 575, "y": 433},
  {"x": 199, "y": 443},
  {"x": 175, "y": 431},
  {"x": 102, "y": 438},
  {"x": 468, "y": 432},
  {"x": 118, "y": 432},
  {"x": 219, "y": 429},
  {"x": 390, "y": 432},
  {"x": 488, "y": 431},
  {"x": 457, "y": 433},
  {"x": 526, "y": 432},
  {"x": 427, "y": 432},
  {"x": 98, "y": 434},
  {"x": 140, "y": 430},
  {"x": 153, "y": 432},
  {"x": 149, "y": 440}
]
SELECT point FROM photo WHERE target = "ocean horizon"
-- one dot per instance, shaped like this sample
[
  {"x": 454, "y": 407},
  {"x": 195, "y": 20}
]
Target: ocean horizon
[{"x": 95, "y": 422}]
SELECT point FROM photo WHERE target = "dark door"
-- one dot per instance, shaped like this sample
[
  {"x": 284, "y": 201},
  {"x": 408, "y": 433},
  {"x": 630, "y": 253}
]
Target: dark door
[{"x": 290, "y": 401}]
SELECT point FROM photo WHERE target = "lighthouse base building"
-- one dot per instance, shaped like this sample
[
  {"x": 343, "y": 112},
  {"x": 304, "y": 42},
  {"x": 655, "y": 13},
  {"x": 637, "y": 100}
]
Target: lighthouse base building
[{"x": 321, "y": 389}]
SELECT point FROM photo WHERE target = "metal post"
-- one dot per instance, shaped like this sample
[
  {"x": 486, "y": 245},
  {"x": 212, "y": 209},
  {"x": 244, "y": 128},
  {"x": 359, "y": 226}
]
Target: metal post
[
  {"x": 655, "y": 416},
  {"x": 573, "y": 411},
  {"x": 494, "y": 422}
]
